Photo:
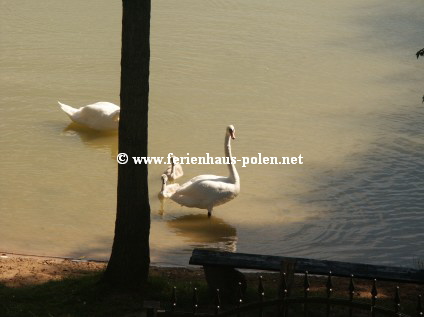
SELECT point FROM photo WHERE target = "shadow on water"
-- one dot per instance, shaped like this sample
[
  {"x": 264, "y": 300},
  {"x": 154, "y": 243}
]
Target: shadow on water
[
  {"x": 96, "y": 139},
  {"x": 373, "y": 210},
  {"x": 396, "y": 29},
  {"x": 198, "y": 229},
  {"x": 99, "y": 249}
]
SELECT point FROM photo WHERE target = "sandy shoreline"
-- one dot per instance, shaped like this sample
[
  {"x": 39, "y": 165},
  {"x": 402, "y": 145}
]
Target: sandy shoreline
[{"x": 18, "y": 270}]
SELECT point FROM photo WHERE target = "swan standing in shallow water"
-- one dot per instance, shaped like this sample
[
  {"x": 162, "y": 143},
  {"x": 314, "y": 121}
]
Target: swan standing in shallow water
[
  {"x": 99, "y": 116},
  {"x": 166, "y": 190},
  {"x": 208, "y": 191},
  {"x": 174, "y": 171}
]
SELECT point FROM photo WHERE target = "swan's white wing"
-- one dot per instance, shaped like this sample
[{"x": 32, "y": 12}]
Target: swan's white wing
[
  {"x": 205, "y": 192},
  {"x": 178, "y": 171},
  {"x": 99, "y": 108},
  {"x": 97, "y": 116},
  {"x": 103, "y": 106},
  {"x": 170, "y": 190},
  {"x": 201, "y": 177}
]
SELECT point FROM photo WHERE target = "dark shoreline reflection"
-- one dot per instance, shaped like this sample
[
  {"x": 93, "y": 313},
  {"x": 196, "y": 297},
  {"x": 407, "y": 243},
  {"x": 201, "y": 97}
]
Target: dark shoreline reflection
[{"x": 211, "y": 233}]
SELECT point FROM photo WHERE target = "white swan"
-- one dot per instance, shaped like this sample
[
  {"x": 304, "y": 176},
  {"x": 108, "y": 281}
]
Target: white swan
[
  {"x": 208, "y": 191},
  {"x": 166, "y": 190},
  {"x": 174, "y": 171},
  {"x": 98, "y": 116}
]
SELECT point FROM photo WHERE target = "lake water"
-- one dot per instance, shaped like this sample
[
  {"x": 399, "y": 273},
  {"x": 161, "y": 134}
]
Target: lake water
[{"x": 336, "y": 82}]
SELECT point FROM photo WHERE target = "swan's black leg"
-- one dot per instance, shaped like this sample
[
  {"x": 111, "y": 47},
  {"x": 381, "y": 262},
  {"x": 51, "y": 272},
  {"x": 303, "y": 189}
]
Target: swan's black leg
[{"x": 209, "y": 213}]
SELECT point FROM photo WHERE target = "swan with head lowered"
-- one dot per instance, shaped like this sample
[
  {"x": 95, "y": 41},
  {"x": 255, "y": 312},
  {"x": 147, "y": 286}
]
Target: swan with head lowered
[
  {"x": 166, "y": 190},
  {"x": 208, "y": 191},
  {"x": 101, "y": 116}
]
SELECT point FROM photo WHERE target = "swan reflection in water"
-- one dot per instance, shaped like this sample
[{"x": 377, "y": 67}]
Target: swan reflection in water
[
  {"x": 97, "y": 139},
  {"x": 213, "y": 232}
]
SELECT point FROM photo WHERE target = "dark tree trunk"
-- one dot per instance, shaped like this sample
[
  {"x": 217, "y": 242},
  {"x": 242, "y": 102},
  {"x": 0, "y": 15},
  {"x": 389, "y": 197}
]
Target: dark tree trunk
[{"x": 128, "y": 266}]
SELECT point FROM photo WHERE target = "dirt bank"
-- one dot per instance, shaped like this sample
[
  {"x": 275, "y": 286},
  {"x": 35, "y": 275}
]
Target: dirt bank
[{"x": 21, "y": 270}]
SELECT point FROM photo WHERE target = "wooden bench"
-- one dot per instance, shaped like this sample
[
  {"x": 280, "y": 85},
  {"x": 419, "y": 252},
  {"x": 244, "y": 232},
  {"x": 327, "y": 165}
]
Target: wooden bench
[{"x": 216, "y": 261}]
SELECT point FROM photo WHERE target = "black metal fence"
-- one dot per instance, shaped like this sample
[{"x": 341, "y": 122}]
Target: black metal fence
[{"x": 292, "y": 302}]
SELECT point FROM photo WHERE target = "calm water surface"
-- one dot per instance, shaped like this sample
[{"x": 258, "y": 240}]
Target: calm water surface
[{"x": 336, "y": 82}]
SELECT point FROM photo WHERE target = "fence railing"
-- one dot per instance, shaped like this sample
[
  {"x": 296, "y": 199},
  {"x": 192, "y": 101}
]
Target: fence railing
[
  {"x": 300, "y": 265},
  {"x": 292, "y": 302}
]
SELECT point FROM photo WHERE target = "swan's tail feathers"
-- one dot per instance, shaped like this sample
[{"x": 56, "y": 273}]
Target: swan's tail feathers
[{"x": 67, "y": 109}]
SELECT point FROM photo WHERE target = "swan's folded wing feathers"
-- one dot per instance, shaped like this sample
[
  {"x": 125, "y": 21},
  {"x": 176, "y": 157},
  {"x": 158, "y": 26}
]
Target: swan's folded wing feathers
[
  {"x": 204, "y": 193},
  {"x": 202, "y": 183},
  {"x": 170, "y": 190},
  {"x": 204, "y": 177}
]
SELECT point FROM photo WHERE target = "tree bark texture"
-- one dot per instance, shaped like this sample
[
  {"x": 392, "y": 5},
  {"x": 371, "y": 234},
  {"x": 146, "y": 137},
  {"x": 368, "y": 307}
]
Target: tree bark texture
[{"x": 128, "y": 266}]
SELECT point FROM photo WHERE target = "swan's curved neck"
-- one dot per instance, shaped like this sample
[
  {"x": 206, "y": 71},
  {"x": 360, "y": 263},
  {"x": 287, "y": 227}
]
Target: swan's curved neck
[{"x": 234, "y": 176}]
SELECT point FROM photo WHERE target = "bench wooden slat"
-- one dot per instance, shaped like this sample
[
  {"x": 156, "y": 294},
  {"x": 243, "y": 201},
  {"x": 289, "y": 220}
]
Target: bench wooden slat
[{"x": 320, "y": 267}]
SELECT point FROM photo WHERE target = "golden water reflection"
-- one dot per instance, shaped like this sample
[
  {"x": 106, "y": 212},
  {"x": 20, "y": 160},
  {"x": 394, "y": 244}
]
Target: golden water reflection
[
  {"x": 353, "y": 111},
  {"x": 200, "y": 229},
  {"x": 97, "y": 139}
]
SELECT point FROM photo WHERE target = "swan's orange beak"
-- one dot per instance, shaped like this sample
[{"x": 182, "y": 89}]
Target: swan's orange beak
[{"x": 233, "y": 135}]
